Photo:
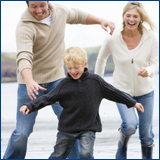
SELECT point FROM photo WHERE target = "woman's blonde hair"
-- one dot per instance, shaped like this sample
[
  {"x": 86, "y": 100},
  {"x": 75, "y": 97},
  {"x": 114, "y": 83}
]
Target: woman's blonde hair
[
  {"x": 143, "y": 14},
  {"x": 76, "y": 55}
]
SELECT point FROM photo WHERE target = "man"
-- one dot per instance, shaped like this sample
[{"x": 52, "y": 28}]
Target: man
[{"x": 40, "y": 49}]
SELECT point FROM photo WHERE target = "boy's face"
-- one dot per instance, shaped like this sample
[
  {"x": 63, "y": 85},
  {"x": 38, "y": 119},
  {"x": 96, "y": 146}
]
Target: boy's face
[{"x": 75, "y": 70}]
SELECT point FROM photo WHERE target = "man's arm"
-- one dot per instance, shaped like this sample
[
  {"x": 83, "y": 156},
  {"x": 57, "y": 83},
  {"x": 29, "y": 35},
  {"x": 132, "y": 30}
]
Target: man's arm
[
  {"x": 104, "y": 23},
  {"x": 24, "y": 41},
  {"x": 76, "y": 16}
]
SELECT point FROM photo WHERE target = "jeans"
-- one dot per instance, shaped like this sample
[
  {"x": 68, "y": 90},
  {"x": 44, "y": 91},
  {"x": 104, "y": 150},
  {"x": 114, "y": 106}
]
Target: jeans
[
  {"x": 17, "y": 145},
  {"x": 65, "y": 143},
  {"x": 130, "y": 120}
]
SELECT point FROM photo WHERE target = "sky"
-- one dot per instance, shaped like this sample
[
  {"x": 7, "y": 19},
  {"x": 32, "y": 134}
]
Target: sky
[{"x": 75, "y": 35}]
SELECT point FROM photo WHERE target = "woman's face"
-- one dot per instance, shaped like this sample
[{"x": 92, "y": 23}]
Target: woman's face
[{"x": 131, "y": 19}]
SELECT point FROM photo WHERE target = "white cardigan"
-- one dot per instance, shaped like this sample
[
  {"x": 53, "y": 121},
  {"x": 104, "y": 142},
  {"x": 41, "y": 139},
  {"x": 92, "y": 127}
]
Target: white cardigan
[{"x": 125, "y": 75}]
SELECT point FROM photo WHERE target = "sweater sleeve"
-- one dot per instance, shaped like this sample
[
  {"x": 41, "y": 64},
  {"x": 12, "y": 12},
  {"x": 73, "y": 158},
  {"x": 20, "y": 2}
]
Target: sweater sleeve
[
  {"x": 44, "y": 100},
  {"x": 102, "y": 58},
  {"x": 114, "y": 94},
  {"x": 76, "y": 16},
  {"x": 24, "y": 41},
  {"x": 153, "y": 67}
]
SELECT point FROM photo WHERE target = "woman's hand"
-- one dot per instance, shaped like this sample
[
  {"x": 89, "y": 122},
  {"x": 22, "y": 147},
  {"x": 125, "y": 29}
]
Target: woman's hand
[
  {"x": 139, "y": 107},
  {"x": 24, "y": 110},
  {"x": 143, "y": 72}
]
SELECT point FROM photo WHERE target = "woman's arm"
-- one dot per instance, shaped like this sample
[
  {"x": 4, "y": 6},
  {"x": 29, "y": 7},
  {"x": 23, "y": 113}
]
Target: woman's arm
[
  {"x": 153, "y": 61},
  {"x": 102, "y": 58}
]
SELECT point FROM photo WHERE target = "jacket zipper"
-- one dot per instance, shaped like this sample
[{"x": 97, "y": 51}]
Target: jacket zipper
[{"x": 132, "y": 61}]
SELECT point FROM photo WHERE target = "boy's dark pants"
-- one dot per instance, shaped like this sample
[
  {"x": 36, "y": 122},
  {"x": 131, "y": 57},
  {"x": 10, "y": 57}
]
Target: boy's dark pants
[{"x": 65, "y": 142}]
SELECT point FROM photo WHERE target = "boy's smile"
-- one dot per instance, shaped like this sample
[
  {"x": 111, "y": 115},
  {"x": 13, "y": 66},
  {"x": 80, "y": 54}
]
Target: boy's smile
[{"x": 75, "y": 70}]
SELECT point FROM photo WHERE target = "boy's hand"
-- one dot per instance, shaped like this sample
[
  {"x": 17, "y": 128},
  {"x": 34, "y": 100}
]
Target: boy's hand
[
  {"x": 139, "y": 107},
  {"x": 24, "y": 110}
]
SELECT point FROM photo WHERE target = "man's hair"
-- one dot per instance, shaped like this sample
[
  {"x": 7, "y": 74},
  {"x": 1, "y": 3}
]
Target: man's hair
[
  {"x": 28, "y": 2},
  {"x": 75, "y": 55}
]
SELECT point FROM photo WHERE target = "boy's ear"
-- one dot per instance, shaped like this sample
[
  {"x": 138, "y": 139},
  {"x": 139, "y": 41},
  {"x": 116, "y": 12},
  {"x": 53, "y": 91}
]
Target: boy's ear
[{"x": 86, "y": 65}]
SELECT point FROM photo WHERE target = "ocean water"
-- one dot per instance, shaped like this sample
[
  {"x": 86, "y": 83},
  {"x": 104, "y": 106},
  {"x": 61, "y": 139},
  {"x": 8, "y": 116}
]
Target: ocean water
[{"x": 43, "y": 138}]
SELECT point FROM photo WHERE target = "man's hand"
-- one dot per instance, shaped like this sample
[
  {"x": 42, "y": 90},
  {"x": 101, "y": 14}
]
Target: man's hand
[
  {"x": 32, "y": 89},
  {"x": 104, "y": 23},
  {"x": 32, "y": 86},
  {"x": 108, "y": 24},
  {"x": 24, "y": 110},
  {"x": 139, "y": 107}
]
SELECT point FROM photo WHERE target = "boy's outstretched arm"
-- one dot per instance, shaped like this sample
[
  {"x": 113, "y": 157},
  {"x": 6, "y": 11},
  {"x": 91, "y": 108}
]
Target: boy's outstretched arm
[
  {"x": 114, "y": 94},
  {"x": 40, "y": 102}
]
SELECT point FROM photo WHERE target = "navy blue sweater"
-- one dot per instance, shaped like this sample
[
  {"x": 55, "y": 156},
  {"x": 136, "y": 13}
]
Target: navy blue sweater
[{"x": 80, "y": 100}]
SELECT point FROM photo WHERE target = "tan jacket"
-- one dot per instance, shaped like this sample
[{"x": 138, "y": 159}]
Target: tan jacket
[{"x": 40, "y": 47}]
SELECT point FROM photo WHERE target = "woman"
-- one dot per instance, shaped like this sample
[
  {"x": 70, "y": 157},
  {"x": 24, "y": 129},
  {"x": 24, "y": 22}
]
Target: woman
[{"x": 134, "y": 52}]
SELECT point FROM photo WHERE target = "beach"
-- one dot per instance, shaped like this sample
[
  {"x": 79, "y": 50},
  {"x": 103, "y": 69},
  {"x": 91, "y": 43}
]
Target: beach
[{"x": 42, "y": 140}]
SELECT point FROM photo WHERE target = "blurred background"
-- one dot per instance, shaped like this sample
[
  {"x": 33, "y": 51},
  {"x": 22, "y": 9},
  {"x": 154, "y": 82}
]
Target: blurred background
[{"x": 90, "y": 38}]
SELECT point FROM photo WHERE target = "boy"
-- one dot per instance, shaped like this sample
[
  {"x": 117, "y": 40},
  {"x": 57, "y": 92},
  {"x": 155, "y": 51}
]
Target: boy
[{"x": 80, "y": 95}]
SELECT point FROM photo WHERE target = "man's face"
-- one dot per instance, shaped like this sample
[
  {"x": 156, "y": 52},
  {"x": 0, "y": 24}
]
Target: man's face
[{"x": 39, "y": 9}]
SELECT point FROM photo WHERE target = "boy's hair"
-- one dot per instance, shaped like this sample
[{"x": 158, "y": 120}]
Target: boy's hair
[{"x": 76, "y": 55}]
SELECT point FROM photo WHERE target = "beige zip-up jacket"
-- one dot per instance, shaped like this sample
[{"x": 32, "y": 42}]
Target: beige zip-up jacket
[
  {"x": 125, "y": 75},
  {"x": 40, "y": 47}
]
